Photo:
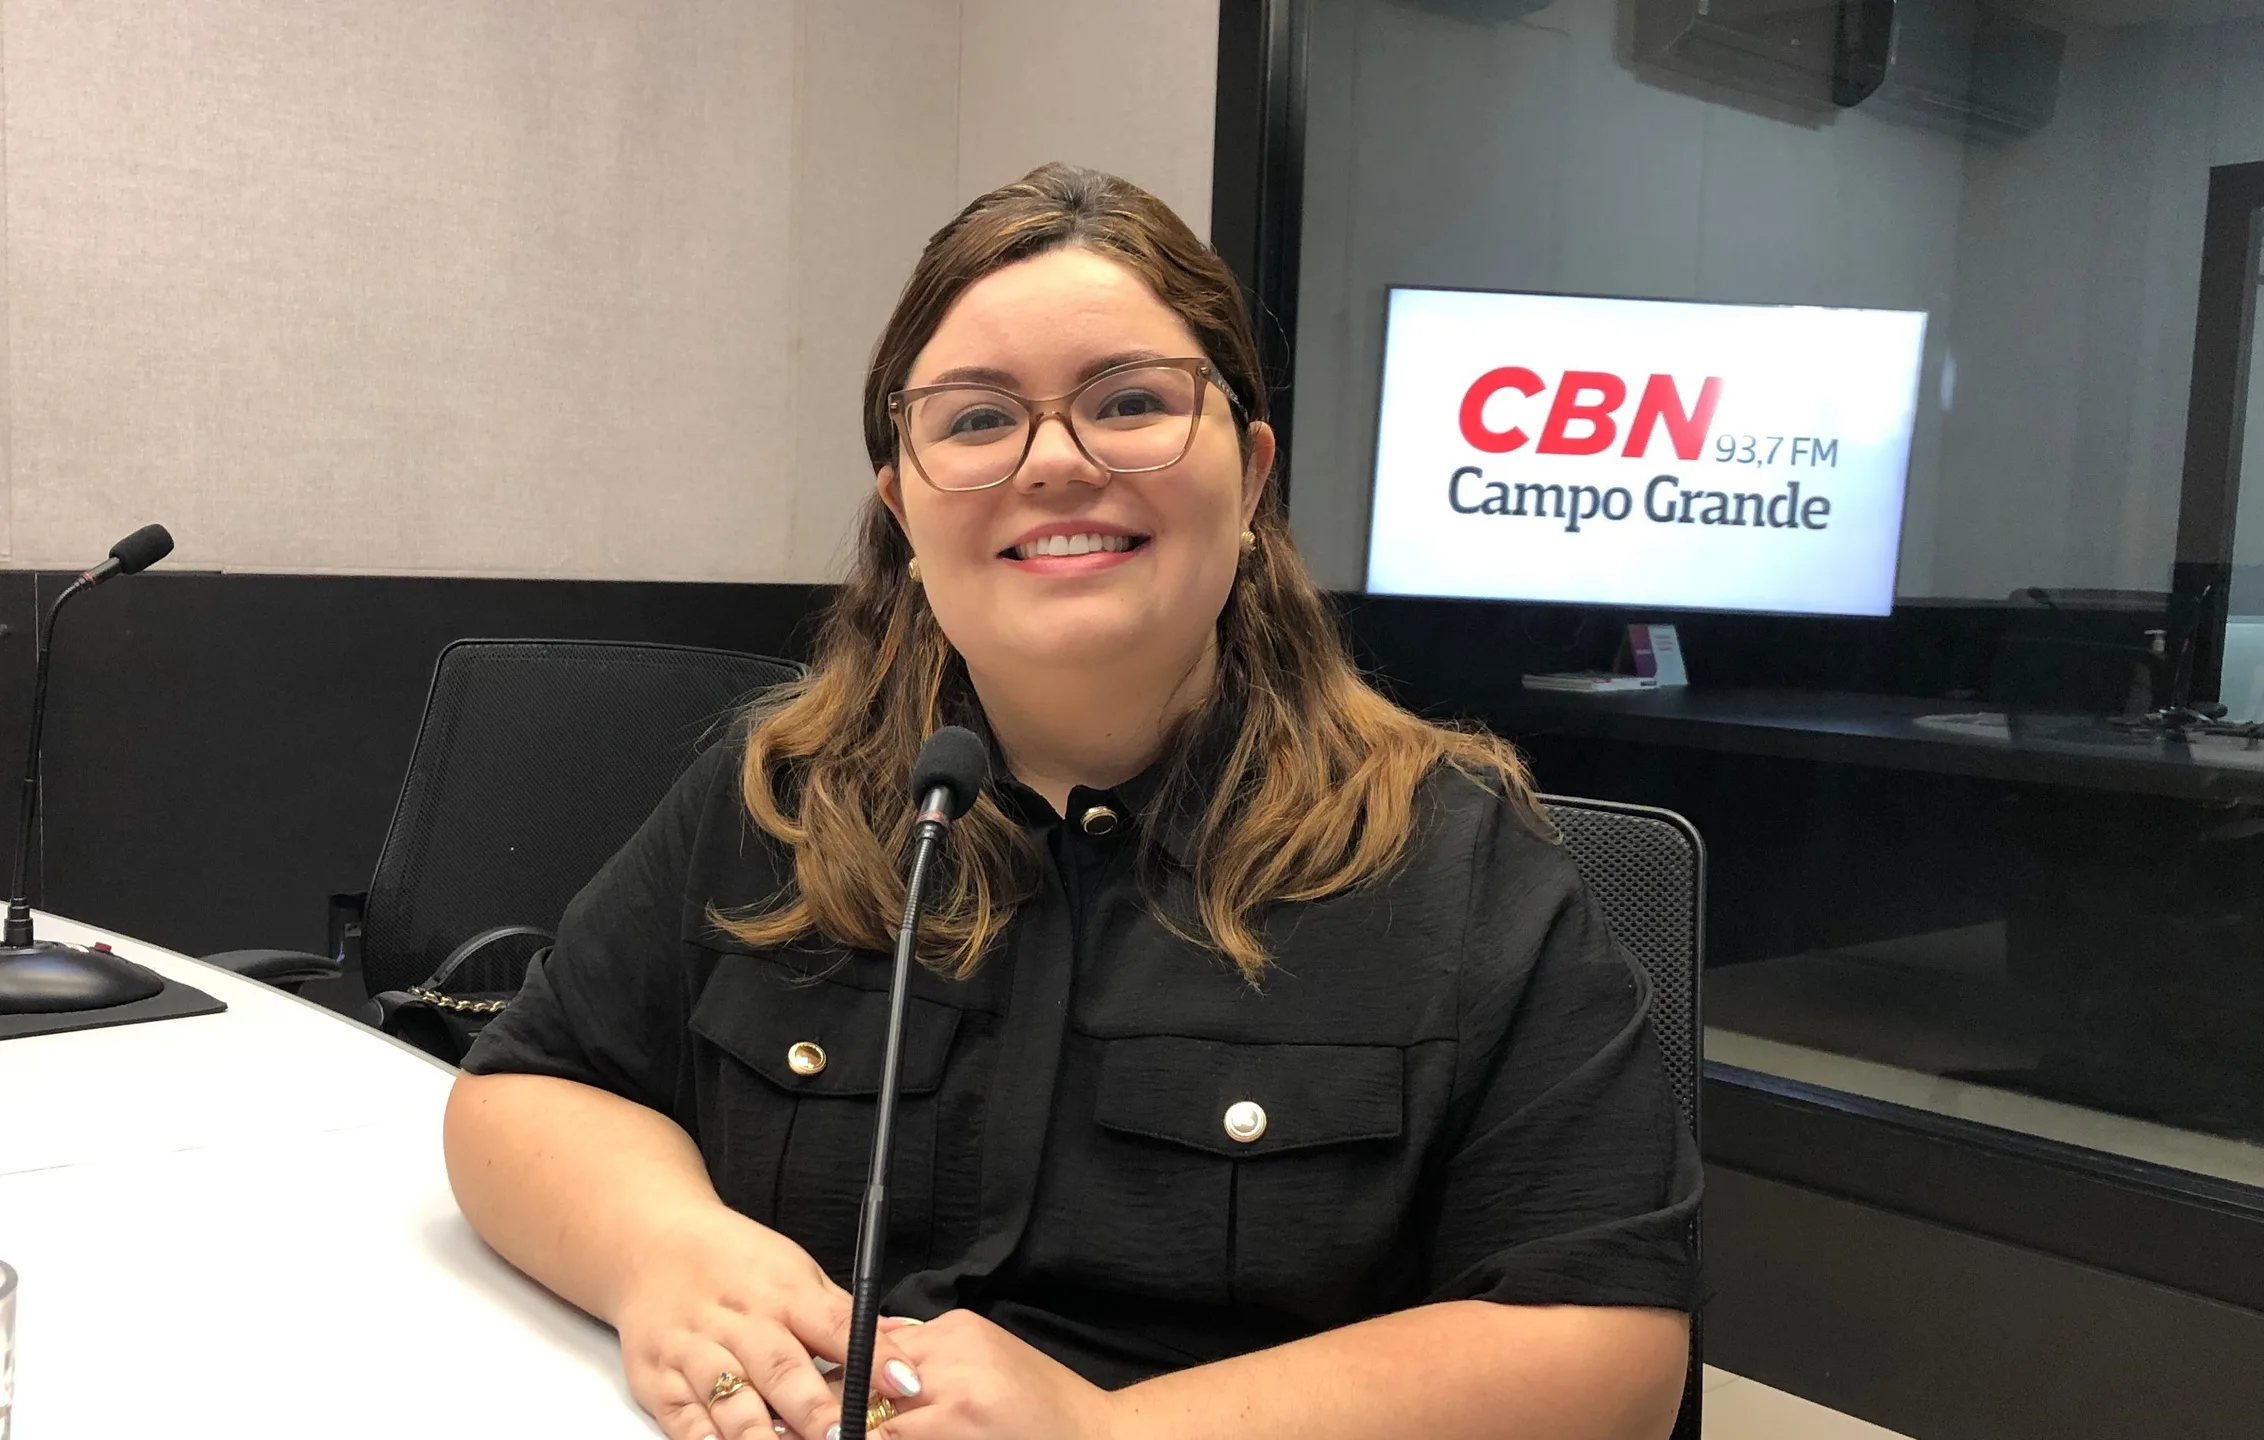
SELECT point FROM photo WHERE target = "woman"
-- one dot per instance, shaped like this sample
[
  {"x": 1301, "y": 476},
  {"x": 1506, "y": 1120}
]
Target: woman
[{"x": 1268, "y": 1065}]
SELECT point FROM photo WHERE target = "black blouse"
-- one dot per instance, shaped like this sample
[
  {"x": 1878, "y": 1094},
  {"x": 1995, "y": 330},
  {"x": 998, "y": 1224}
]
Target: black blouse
[{"x": 1446, "y": 1088}]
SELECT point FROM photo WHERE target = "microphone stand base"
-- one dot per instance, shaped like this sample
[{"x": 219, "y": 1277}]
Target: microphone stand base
[{"x": 47, "y": 977}]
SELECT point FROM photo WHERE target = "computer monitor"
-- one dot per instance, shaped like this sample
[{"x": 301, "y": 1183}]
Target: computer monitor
[{"x": 1669, "y": 454}]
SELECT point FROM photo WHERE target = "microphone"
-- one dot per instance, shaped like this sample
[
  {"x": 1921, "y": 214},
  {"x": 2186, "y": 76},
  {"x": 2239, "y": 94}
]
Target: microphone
[
  {"x": 132, "y": 555},
  {"x": 38, "y": 977},
  {"x": 945, "y": 781}
]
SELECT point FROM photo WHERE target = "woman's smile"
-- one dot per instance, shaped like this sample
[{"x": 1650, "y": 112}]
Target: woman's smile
[{"x": 1074, "y": 547}]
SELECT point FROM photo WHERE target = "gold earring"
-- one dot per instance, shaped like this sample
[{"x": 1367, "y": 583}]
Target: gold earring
[
  {"x": 913, "y": 569},
  {"x": 1249, "y": 541}
]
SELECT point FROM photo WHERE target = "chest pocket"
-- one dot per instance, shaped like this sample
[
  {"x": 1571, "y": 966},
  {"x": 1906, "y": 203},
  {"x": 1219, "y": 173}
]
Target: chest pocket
[
  {"x": 787, "y": 1123},
  {"x": 1286, "y": 1161}
]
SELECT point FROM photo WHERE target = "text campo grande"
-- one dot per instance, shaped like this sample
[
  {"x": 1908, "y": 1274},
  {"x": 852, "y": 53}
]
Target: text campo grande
[{"x": 1665, "y": 502}]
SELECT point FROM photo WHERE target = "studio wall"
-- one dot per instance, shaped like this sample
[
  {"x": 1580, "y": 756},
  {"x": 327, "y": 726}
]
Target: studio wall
[
  {"x": 467, "y": 287},
  {"x": 2079, "y": 268}
]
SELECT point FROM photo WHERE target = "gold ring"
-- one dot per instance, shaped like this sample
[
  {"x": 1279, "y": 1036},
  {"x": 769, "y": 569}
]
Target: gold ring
[
  {"x": 878, "y": 1412},
  {"x": 726, "y": 1385}
]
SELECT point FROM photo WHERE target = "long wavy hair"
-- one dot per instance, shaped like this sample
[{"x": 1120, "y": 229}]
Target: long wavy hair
[{"x": 1304, "y": 783}]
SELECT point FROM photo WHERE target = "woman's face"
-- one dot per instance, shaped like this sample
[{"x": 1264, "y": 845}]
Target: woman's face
[{"x": 1150, "y": 594}]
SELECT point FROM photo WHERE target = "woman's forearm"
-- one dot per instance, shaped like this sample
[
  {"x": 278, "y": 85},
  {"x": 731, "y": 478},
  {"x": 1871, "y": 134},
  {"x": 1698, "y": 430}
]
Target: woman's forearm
[
  {"x": 1467, "y": 1370},
  {"x": 568, "y": 1182}
]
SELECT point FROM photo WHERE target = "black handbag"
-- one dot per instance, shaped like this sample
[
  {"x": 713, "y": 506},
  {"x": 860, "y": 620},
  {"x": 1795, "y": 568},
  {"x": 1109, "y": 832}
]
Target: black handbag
[{"x": 443, "y": 1018}]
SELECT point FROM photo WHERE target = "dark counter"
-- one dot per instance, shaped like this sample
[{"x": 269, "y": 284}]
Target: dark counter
[{"x": 1902, "y": 733}]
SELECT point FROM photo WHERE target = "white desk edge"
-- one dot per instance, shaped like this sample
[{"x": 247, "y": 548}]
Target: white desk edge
[{"x": 240, "y": 1225}]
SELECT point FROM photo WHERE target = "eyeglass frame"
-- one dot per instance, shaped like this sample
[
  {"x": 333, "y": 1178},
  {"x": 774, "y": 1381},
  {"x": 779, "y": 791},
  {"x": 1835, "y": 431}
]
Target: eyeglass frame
[{"x": 1205, "y": 373}]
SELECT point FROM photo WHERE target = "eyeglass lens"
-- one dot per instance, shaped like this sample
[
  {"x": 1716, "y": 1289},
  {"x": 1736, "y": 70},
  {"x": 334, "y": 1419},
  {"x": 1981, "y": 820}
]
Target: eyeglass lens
[{"x": 966, "y": 437}]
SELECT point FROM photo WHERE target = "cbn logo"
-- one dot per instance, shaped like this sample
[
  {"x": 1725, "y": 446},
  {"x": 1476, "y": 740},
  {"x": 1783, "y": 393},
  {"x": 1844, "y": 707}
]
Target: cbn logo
[{"x": 1583, "y": 418}]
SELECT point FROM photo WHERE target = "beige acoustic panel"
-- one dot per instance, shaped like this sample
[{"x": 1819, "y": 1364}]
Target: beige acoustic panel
[
  {"x": 1131, "y": 89},
  {"x": 876, "y": 174},
  {"x": 585, "y": 289},
  {"x": 466, "y": 286},
  {"x": 7, "y": 505}
]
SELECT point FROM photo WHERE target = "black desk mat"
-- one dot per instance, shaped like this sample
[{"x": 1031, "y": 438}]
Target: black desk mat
[{"x": 171, "y": 1003}]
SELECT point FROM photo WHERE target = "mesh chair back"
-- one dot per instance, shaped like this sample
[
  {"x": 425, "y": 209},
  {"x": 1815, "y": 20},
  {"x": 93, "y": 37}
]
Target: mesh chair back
[
  {"x": 1647, "y": 870},
  {"x": 536, "y": 761}
]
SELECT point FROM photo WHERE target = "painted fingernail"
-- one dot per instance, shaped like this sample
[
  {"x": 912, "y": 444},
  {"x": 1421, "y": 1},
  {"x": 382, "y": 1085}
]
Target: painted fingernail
[
  {"x": 777, "y": 1427},
  {"x": 833, "y": 1431},
  {"x": 901, "y": 1375}
]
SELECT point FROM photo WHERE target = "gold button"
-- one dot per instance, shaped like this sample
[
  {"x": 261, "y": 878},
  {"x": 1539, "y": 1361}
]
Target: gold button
[
  {"x": 804, "y": 1058},
  {"x": 1100, "y": 820},
  {"x": 1245, "y": 1121}
]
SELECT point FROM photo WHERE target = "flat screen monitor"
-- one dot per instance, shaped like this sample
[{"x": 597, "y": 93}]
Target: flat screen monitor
[{"x": 1669, "y": 454}]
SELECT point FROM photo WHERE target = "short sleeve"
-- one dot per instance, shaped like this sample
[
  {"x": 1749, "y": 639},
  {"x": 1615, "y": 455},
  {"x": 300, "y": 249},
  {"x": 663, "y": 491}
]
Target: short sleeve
[
  {"x": 1571, "y": 1178},
  {"x": 609, "y": 1005}
]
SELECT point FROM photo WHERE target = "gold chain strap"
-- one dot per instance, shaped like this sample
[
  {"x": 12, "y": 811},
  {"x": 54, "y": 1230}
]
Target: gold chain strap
[{"x": 450, "y": 1002}]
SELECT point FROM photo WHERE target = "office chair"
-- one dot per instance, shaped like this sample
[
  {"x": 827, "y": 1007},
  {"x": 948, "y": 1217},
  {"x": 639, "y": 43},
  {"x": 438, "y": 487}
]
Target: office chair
[
  {"x": 535, "y": 761},
  {"x": 2084, "y": 651},
  {"x": 1647, "y": 870}
]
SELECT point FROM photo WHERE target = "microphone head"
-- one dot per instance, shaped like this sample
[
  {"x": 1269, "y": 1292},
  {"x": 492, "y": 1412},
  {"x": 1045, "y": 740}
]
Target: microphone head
[
  {"x": 142, "y": 549},
  {"x": 956, "y": 759}
]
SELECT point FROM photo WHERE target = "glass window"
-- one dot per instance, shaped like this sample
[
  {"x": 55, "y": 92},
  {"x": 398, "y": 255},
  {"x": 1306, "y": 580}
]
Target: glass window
[
  {"x": 2242, "y": 687},
  {"x": 1961, "y": 860}
]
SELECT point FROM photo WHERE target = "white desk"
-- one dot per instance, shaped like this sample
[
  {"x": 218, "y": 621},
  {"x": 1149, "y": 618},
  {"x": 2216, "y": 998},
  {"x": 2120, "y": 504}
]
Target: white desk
[{"x": 238, "y": 1225}]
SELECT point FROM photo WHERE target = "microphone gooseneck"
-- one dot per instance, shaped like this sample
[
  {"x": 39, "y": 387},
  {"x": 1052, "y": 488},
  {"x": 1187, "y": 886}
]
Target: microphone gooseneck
[
  {"x": 945, "y": 781},
  {"x": 18, "y": 924},
  {"x": 136, "y": 553}
]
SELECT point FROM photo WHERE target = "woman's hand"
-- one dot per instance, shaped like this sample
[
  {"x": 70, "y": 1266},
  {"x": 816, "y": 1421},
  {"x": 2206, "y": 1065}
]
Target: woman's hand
[
  {"x": 977, "y": 1382},
  {"x": 721, "y": 1293}
]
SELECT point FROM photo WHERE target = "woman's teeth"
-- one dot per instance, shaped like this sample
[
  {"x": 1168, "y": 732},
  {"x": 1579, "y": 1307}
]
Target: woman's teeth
[{"x": 1071, "y": 545}]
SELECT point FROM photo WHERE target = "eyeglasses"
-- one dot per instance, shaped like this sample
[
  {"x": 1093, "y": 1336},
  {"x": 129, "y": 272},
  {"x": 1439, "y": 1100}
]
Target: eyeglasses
[{"x": 1126, "y": 420}]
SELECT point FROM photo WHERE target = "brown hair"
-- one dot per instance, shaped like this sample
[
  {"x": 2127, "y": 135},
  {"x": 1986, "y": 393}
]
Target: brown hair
[{"x": 1309, "y": 789}]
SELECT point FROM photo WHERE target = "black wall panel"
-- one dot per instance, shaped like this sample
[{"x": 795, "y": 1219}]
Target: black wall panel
[
  {"x": 1944, "y": 1335},
  {"x": 18, "y": 654},
  {"x": 223, "y": 750}
]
